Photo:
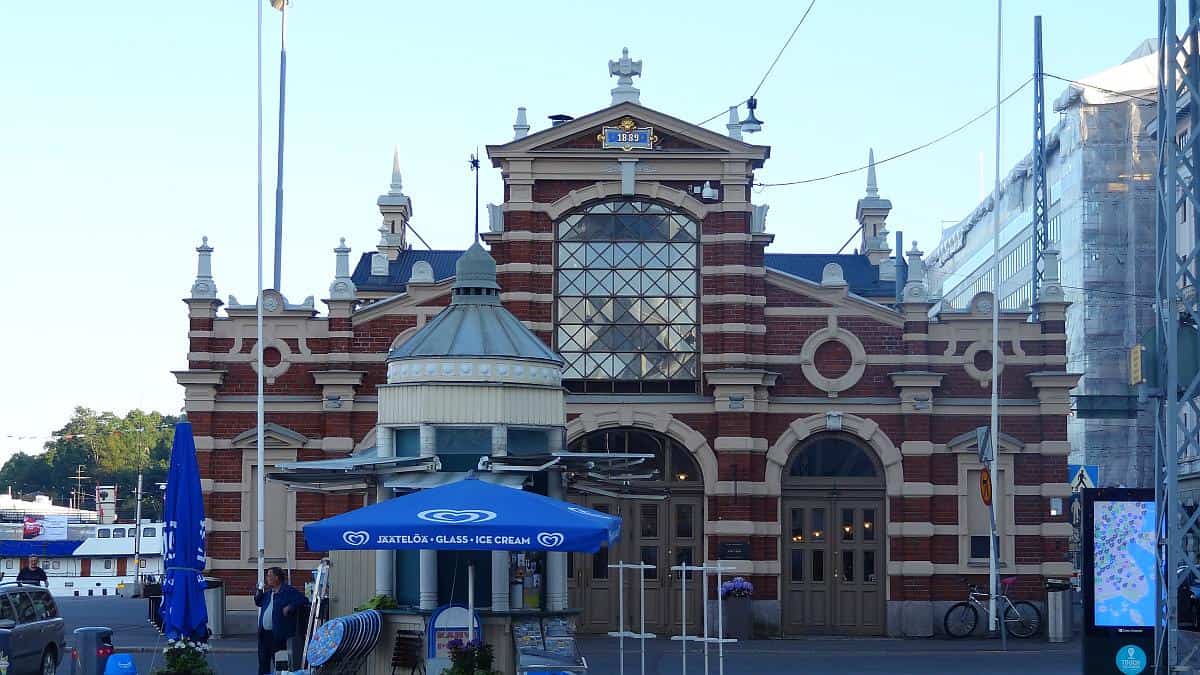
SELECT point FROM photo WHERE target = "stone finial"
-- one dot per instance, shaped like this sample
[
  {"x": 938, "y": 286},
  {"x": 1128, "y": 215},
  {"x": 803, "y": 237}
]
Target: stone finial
[
  {"x": 521, "y": 126},
  {"x": 396, "y": 188},
  {"x": 495, "y": 217},
  {"x": 625, "y": 68},
  {"x": 872, "y": 184},
  {"x": 734, "y": 125},
  {"x": 832, "y": 275},
  {"x": 342, "y": 287},
  {"x": 204, "y": 288},
  {"x": 914, "y": 288},
  {"x": 1051, "y": 289},
  {"x": 422, "y": 273},
  {"x": 758, "y": 218}
]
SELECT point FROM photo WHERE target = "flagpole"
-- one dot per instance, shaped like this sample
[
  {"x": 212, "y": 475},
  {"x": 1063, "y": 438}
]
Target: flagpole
[
  {"x": 260, "y": 483},
  {"x": 994, "y": 562},
  {"x": 281, "y": 5}
]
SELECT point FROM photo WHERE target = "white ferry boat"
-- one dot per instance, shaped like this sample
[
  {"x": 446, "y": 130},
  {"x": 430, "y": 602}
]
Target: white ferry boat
[{"x": 95, "y": 559}]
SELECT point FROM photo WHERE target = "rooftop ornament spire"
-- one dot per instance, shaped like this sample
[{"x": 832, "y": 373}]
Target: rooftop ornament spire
[
  {"x": 734, "y": 126},
  {"x": 872, "y": 185},
  {"x": 625, "y": 68},
  {"x": 521, "y": 126},
  {"x": 397, "y": 184}
]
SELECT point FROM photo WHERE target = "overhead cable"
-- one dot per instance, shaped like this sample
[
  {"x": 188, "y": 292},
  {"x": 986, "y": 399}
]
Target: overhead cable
[
  {"x": 898, "y": 155},
  {"x": 769, "y": 68}
]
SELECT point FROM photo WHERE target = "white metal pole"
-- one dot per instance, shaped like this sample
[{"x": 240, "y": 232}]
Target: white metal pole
[
  {"x": 470, "y": 601},
  {"x": 994, "y": 562},
  {"x": 621, "y": 610},
  {"x": 260, "y": 481},
  {"x": 279, "y": 151},
  {"x": 683, "y": 616},
  {"x": 137, "y": 538},
  {"x": 720, "y": 626},
  {"x": 704, "y": 600},
  {"x": 642, "y": 607}
]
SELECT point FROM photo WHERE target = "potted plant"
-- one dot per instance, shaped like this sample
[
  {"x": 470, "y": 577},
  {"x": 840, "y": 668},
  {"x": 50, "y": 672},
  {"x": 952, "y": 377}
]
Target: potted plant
[
  {"x": 185, "y": 657},
  {"x": 471, "y": 658},
  {"x": 735, "y": 595}
]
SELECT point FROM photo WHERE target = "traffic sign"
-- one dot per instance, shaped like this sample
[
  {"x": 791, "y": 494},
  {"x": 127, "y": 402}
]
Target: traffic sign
[{"x": 985, "y": 486}]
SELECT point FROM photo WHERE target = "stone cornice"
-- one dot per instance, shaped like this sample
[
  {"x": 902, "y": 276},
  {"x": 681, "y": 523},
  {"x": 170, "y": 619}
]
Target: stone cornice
[
  {"x": 1054, "y": 379},
  {"x": 199, "y": 377},
  {"x": 916, "y": 378},
  {"x": 338, "y": 377},
  {"x": 741, "y": 376}
]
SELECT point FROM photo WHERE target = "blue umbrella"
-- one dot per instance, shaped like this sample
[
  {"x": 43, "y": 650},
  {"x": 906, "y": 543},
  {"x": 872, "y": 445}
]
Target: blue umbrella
[
  {"x": 468, "y": 515},
  {"x": 183, "y": 611}
]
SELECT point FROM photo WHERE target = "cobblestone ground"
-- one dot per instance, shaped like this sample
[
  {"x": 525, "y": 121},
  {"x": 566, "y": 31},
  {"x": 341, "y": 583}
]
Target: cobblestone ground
[{"x": 845, "y": 656}]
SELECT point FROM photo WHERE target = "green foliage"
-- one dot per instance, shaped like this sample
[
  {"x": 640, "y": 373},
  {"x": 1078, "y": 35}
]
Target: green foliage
[
  {"x": 185, "y": 656},
  {"x": 377, "y": 602},
  {"x": 110, "y": 449},
  {"x": 471, "y": 658}
]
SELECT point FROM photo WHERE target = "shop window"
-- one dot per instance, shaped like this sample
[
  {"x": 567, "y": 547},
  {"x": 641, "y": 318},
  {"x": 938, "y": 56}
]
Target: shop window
[
  {"x": 108, "y": 564},
  {"x": 525, "y": 442},
  {"x": 460, "y": 448},
  {"x": 118, "y": 533},
  {"x": 407, "y": 442},
  {"x": 149, "y": 532},
  {"x": 671, "y": 462},
  {"x": 832, "y": 456},
  {"x": 103, "y": 533}
]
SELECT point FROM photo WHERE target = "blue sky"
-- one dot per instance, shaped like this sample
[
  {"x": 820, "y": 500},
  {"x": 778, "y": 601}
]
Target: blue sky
[{"x": 128, "y": 131}]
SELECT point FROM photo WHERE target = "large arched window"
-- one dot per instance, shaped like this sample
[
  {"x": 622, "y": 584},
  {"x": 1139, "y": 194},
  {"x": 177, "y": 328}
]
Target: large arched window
[
  {"x": 672, "y": 462},
  {"x": 835, "y": 459},
  {"x": 627, "y": 288}
]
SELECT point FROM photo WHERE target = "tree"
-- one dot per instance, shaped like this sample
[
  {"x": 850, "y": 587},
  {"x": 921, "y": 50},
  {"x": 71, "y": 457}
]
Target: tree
[{"x": 111, "y": 450}]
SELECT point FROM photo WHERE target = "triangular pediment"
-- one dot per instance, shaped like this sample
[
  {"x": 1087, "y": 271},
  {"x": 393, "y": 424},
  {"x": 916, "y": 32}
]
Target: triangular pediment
[
  {"x": 274, "y": 436},
  {"x": 671, "y": 135}
]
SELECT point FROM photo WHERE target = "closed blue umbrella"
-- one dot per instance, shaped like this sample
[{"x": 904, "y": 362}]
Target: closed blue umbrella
[{"x": 183, "y": 611}]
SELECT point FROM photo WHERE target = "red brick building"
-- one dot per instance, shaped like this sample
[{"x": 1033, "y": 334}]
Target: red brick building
[{"x": 813, "y": 424}]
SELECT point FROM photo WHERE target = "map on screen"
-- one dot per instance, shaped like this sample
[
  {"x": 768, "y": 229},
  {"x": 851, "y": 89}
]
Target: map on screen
[{"x": 1124, "y": 578}]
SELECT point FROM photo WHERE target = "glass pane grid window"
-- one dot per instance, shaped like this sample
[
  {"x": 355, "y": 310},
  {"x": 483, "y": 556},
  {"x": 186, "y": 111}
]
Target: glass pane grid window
[{"x": 628, "y": 305}]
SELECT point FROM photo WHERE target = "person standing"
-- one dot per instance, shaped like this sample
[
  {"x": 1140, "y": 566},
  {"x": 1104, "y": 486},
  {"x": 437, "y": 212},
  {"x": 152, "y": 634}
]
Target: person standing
[
  {"x": 279, "y": 605},
  {"x": 33, "y": 574}
]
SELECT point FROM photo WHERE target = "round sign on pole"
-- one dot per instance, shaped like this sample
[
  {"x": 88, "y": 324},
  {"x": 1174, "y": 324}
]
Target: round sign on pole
[{"x": 985, "y": 486}]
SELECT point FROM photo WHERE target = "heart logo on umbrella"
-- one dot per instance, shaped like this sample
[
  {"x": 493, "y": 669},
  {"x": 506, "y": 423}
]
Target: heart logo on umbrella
[
  {"x": 457, "y": 516},
  {"x": 550, "y": 539},
  {"x": 356, "y": 538}
]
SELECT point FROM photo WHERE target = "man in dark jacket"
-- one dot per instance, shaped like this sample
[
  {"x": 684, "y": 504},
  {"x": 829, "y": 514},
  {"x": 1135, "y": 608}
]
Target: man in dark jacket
[
  {"x": 279, "y": 604},
  {"x": 33, "y": 574}
]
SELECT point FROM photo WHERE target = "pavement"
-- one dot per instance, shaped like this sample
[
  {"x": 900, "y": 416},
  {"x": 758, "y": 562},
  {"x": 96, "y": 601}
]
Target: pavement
[{"x": 236, "y": 655}]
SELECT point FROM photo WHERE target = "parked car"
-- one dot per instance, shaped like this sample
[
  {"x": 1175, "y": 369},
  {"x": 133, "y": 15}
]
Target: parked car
[{"x": 32, "y": 633}]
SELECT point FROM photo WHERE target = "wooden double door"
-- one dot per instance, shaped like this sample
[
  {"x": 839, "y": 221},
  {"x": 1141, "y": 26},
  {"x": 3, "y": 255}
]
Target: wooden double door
[
  {"x": 834, "y": 567},
  {"x": 658, "y": 533}
]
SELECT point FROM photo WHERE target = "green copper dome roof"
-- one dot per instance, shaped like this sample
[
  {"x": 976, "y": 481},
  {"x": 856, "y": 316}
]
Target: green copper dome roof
[{"x": 475, "y": 324}]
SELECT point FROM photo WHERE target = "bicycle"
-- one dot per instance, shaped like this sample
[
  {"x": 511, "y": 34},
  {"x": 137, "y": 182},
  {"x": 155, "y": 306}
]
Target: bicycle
[{"x": 1021, "y": 618}]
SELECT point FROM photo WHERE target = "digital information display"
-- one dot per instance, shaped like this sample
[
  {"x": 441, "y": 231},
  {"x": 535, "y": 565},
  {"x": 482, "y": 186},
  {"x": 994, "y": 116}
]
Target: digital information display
[{"x": 1123, "y": 580}]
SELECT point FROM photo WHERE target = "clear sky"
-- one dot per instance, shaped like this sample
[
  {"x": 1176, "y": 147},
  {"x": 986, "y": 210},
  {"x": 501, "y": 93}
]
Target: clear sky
[{"x": 128, "y": 130}]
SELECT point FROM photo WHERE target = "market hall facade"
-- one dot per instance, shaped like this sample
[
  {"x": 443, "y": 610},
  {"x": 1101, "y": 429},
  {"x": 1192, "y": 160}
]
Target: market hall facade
[{"x": 807, "y": 420}]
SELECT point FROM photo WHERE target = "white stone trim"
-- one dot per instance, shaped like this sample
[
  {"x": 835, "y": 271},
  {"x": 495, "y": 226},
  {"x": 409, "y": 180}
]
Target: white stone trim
[
  {"x": 520, "y": 267},
  {"x": 858, "y": 358},
  {"x": 746, "y": 270},
  {"x": 526, "y": 296},
  {"x": 483, "y": 370},
  {"x": 766, "y": 568},
  {"x": 985, "y": 377},
  {"x": 739, "y": 444},
  {"x": 661, "y": 422},
  {"x": 742, "y": 528},
  {"x": 733, "y": 299},
  {"x": 752, "y": 328},
  {"x": 866, "y": 429},
  {"x": 923, "y": 530}
]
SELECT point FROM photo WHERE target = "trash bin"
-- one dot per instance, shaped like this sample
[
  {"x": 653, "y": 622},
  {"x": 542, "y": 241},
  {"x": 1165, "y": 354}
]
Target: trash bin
[
  {"x": 214, "y": 601},
  {"x": 93, "y": 646},
  {"x": 1058, "y": 610}
]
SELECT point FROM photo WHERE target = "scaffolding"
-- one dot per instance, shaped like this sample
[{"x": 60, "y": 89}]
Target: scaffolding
[{"x": 1177, "y": 409}]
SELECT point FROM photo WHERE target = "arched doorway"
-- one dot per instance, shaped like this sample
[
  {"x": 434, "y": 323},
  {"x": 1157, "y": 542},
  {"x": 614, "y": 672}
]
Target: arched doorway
[
  {"x": 658, "y": 532},
  {"x": 834, "y": 563}
]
